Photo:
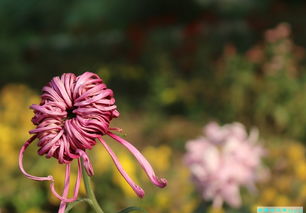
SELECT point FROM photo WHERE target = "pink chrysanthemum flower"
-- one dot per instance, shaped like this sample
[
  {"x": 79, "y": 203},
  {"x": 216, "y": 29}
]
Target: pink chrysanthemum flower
[
  {"x": 73, "y": 113},
  {"x": 223, "y": 160}
]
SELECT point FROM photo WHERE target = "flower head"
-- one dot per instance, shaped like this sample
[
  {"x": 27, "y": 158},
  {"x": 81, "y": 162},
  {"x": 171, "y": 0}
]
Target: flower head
[
  {"x": 74, "y": 112},
  {"x": 222, "y": 161}
]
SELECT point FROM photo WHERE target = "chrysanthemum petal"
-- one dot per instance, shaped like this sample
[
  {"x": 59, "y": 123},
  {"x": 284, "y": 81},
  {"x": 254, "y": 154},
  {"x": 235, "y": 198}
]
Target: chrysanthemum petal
[
  {"x": 86, "y": 162},
  {"x": 22, "y": 150},
  {"x": 160, "y": 182},
  {"x": 76, "y": 187},
  {"x": 137, "y": 189},
  {"x": 66, "y": 189}
]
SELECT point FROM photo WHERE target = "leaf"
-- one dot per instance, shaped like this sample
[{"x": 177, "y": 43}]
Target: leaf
[
  {"x": 132, "y": 209},
  {"x": 71, "y": 205}
]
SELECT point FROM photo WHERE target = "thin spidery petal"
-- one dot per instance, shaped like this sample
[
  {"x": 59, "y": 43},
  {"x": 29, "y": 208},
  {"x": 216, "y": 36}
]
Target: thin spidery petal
[
  {"x": 137, "y": 189},
  {"x": 75, "y": 111},
  {"x": 142, "y": 161}
]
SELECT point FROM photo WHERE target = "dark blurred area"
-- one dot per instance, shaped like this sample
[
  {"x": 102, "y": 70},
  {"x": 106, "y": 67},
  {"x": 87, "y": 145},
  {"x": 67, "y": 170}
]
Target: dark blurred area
[
  {"x": 40, "y": 39},
  {"x": 143, "y": 49}
]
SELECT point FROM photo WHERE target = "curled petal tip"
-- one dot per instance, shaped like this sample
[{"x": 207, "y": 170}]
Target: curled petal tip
[
  {"x": 88, "y": 168},
  {"x": 164, "y": 182},
  {"x": 90, "y": 172},
  {"x": 160, "y": 182},
  {"x": 142, "y": 160},
  {"x": 139, "y": 191}
]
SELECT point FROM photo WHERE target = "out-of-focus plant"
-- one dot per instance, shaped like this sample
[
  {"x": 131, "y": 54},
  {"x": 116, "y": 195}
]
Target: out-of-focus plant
[
  {"x": 286, "y": 184},
  {"x": 14, "y": 120},
  {"x": 261, "y": 86},
  {"x": 234, "y": 7},
  {"x": 264, "y": 85},
  {"x": 277, "y": 98},
  {"x": 223, "y": 160}
]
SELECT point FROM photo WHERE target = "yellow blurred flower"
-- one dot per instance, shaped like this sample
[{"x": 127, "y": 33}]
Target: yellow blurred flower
[
  {"x": 162, "y": 162},
  {"x": 101, "y": 160},
  {"x": 283, "y": 183},
  {"x": 163, "y": 199},
  {"x": 189, "y": 206},
  {"x": 34, "y": 210},
  {"x": 15, "y": 122},
  {"x": 255, "y": 206},
  {"x": 303, "y": 192},
  {"x": 282, "y": 200},
  {"x": 183, "y": 200},
  {"x": 15, "y": 101},
  {"x": 300, "y": 170},
  {"x": 268, "y": 195},
  {"x": 288, "y": 175},
  {"x": 215, "y": 210},
  {"x": 295, "y": 152},
  {"x": 8, "y": 155},
  {"x": 302, "y": 196},
  {"x": 129, "y": 167}
]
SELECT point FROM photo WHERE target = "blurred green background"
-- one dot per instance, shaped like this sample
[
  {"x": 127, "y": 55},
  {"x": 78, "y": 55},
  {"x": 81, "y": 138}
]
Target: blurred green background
[{"x": 173, "y": 66}]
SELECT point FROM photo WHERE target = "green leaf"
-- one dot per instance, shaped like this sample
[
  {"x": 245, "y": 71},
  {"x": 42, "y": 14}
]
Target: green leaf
[
  {"x": 71, "y": 205},
  {"x": 132, "y": 209}
]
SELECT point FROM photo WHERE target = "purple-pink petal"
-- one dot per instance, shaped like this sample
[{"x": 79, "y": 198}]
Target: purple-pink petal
[
  {"x": 160, "y": 182},
  {"x": 137, "y": 189},
  {"x": 66, "y": 189},
  {"x": 75, "y": 111}
]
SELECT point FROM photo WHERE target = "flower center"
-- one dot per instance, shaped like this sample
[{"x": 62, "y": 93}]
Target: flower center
[{"x": 70, "y": 113}]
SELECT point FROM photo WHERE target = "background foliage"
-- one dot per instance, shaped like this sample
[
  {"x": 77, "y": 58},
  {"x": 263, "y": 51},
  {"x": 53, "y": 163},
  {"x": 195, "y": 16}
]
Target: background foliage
[{"x": 174, "y": 66}]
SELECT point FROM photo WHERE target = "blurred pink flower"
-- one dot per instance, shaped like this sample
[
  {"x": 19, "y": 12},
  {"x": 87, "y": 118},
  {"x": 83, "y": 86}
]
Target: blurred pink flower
[
  {"x": 73, "y": 113},
  {"x": 222, "y": 161}
]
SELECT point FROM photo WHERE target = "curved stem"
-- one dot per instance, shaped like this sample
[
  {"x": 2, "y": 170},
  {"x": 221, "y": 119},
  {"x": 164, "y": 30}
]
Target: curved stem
[{"x": 94, "y": 203}]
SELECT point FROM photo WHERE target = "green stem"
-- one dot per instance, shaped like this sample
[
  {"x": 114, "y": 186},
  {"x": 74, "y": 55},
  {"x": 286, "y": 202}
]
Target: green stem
[{"x": 94, "y": 203}]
